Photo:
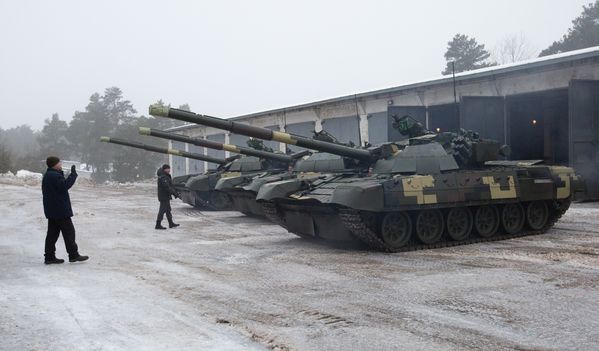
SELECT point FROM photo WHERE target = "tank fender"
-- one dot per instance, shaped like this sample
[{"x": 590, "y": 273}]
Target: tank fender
[
  {"x": 280, "y": 189},
  {"x": 366, "y": 196},
  {"x": 224, "y": 184},
  {"x": 199, "y": 183},
  {"x": 258, "y": 182}
]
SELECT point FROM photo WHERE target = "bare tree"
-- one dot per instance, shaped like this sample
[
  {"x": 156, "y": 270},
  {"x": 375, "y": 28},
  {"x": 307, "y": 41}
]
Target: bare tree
[{"x": 513, "y": 48}]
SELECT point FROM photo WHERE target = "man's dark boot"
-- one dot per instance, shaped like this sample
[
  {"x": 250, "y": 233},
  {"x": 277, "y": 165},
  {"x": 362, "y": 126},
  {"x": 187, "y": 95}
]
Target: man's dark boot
[
  {"x": 159, "y": 225},
  {"x": 172, "y": 224},
  {"x": 53, "y": 260},
  {"x": 78, "y": 258}
]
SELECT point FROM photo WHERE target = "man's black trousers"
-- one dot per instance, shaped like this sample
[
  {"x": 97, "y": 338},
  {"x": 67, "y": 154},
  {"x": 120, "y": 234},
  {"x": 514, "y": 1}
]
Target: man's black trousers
[
  {"x": 55, "y": 226},
  {"x": 165, "y": 208}
]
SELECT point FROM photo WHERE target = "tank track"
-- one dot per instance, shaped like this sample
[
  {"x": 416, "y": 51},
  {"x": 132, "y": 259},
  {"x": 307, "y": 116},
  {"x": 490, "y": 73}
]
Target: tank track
[
  {"x": 353, "y": 221},
  {"x": 271, "y": 213}
]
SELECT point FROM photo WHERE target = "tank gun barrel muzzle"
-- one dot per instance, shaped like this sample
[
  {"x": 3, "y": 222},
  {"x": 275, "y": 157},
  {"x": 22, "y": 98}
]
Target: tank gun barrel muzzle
[
  {"x": 163, "y": 150},
  {"x": 260, "y": 133},
  {"x": 216, "y": 145}
]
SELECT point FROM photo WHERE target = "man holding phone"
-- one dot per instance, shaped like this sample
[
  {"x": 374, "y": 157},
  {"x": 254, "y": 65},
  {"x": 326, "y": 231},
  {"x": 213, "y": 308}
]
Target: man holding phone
[{"x": 58, "y": 211}]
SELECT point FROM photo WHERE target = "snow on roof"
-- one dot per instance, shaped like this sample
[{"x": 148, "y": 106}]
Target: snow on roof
[{"x": 488, "y": 71}]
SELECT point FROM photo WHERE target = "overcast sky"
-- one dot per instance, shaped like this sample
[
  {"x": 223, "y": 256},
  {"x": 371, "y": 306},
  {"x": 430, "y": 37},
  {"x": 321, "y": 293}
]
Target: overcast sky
[{"x": 228, "y": 58}]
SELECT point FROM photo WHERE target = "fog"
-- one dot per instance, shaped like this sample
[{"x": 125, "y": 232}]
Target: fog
[{"x": 228, "y": 58}]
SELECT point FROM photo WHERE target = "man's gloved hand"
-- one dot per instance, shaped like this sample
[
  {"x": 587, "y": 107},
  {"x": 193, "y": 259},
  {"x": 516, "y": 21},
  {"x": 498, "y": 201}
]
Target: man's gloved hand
[{"x": 73, "y": 169}]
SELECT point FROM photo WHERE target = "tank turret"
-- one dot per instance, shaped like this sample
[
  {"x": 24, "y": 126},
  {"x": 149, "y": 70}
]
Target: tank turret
[
  {"x": 467, "y": 147},
  {"x": 162, "y": 150}
]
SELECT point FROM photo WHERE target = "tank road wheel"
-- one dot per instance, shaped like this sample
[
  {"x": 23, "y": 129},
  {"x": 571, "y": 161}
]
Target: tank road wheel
[
  {"x": 220, "y": 200},
  {"x": 396, "y": 229},
  {"x": 429, "y": 226},
  {"x": 459, "y": 223},
  {"x": 537, "y": 215},
  {"x": 486, "y": 221},
  {"x": 512, "y": 218}
]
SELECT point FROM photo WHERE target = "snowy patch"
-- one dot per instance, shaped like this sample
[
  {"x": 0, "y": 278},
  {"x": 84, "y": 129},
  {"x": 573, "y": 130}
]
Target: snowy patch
[
  {"x": 23, "y": 177},
  {"x": 28, "y": 174}
]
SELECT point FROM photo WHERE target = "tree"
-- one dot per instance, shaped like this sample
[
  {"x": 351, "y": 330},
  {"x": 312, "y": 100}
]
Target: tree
[
  {"x": 53, "y": 138},
  {"x": 21, "y": 141},
  {"x": 467, "y": 54},
  {"x": 130, "y": 164},
  {"x": 513, "y": 48},
  {"x": 117, "y": 109},
  {"x": 111, "y": 114},
  {"x": 584, "y": 32},
  {"x": 5, "y": 158},
  {"x": 102, "y": 117},
  {"x": 22, "y": 145}
]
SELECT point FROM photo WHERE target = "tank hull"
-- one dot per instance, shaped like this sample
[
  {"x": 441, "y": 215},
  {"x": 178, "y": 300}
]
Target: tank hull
[
  {"x": 243, "y": 189},
  {"x": 198, "y": 190},
  {"x": 352, "y": 208}
]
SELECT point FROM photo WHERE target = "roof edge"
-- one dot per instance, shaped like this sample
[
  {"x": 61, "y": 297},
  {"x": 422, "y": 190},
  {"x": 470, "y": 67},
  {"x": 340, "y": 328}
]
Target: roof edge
[{"x": 549, "y": 60}]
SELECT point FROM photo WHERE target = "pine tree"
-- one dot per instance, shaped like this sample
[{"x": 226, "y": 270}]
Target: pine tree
[
  {"x": 103, "y": 115},
  {"x": 583, "y": 34},
  {"x": 467, "y": 54},
  {"x": 53, "y": 138}
]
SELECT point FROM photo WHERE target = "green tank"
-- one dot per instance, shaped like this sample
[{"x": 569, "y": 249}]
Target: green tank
[
  {"x": 429, "y": 191},
  {"x": 196, "y": 190},
  {"x": 257, "y": 162}
]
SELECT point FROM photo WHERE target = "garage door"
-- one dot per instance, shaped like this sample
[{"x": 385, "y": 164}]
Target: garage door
[
  {"x": 178, "y": 166},
  {"x": 216, "y": 153},
  {"x": 345, "y": 129},
  {"x": 196, "y": 166},
  {"x": 584, "y": 132},
  {"x": 239, "y": 140},
  {"x": 485, "y": 115},
  {"x": 305, "y": 129}
]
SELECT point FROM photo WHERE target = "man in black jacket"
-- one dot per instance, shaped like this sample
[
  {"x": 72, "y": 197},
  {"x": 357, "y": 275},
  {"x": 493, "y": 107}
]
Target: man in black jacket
[
  {"x": 57, "y": 208},
  {"x": 165, "y": 191}
]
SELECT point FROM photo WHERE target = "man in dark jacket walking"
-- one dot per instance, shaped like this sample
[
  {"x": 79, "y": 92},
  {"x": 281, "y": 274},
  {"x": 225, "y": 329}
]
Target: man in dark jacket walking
[
  {"x": 165, "y": 191},
  {"x": 58, "y": 211}
]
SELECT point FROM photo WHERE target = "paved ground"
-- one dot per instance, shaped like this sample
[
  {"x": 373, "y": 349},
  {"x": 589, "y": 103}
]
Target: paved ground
[{"x": 227, "y": 282}]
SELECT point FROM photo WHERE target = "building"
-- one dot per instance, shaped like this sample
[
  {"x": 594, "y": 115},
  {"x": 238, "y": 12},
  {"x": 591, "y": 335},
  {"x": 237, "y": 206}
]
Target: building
[{"x": 545, "y": 108}]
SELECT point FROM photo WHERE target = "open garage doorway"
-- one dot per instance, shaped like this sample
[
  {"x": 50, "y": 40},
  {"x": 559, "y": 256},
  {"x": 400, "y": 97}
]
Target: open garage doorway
[
  {"x": 443, "y": 118},
  {"x": 538, "y": 126}
]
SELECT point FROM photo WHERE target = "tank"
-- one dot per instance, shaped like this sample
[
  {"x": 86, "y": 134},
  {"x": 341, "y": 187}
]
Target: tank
[
  {"x": 196, "y": 190},
  {"x": 430, "y": 190},
  {"x": 264, "y": 163}
]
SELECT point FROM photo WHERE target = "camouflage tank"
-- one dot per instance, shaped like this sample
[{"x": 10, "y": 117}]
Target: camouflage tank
[
  {"x": 305, "y": 168},
  {"x": 258, "y": 161},
  {"x": 194, "y": 189},
  {"x": 429, "y": 191}
]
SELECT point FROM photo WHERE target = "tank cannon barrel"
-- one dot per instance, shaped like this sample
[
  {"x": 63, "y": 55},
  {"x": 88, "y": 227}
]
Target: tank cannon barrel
[
  {"x": 261, "y": 133},
  {"x": 164, "y": 150},
  {"x": 216, "y": 145}
]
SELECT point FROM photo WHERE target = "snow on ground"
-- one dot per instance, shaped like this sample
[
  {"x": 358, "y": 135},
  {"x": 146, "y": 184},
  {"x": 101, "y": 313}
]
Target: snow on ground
[
  {"x": 22, "y": 177},
  {"x": 228, "y": 282},
  {"x": 28, "y": 174}
]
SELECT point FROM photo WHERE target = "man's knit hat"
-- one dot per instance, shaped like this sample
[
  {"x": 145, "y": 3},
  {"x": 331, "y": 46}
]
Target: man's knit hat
[{"x": 52, "y": 161}]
